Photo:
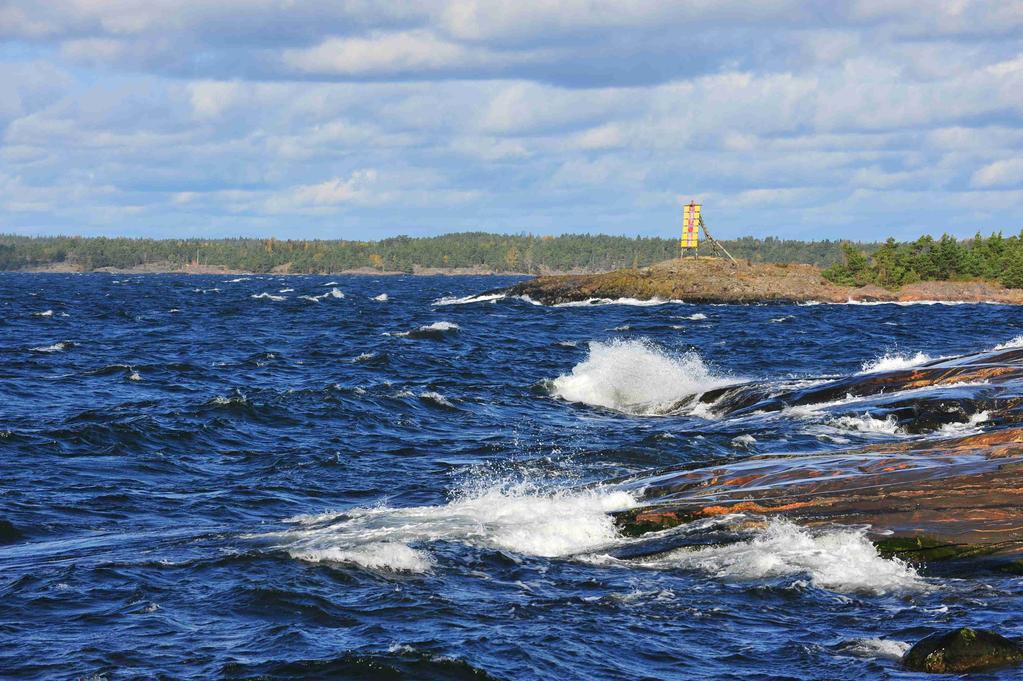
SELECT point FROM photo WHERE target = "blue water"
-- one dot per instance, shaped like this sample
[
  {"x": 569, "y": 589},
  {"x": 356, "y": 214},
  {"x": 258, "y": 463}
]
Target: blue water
[{"x": 198, "y": 483}]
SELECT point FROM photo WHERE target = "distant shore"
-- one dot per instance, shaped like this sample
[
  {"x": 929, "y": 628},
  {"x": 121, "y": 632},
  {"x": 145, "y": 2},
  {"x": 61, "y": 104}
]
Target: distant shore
[
  {"x": 157, "y": 268},
  {"x": 715, "y": 280}
]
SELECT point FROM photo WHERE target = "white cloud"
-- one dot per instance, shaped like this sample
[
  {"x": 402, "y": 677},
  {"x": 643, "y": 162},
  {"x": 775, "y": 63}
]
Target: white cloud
[{"x": 1007, "y": 172}]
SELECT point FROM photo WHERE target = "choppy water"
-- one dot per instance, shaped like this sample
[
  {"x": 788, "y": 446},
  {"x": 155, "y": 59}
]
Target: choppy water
[{"x": 313, "y": 477}]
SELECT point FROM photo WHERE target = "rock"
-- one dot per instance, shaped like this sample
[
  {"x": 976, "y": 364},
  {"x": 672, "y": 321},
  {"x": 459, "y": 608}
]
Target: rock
[
  {"x": 962, "y": 650},
  {"x": 714, "y": 280}
]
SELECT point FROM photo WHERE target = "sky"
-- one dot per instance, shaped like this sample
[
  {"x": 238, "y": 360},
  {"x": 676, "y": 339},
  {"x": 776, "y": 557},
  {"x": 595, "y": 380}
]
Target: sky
[{"x": 361, "y": 119}]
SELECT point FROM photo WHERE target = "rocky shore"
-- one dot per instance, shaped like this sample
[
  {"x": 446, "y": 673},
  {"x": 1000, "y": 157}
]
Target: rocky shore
[{"x": 715, "y": 280}]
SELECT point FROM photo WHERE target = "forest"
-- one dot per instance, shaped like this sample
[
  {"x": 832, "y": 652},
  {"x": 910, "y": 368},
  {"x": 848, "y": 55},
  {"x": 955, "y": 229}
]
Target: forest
[
  {"x": 519, "y": 253},
  {"x": 893, "y": 264}
]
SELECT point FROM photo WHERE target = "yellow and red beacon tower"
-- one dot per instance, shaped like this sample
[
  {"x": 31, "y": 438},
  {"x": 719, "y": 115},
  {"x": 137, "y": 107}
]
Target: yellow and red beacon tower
[{"x": 691, "y": 223}]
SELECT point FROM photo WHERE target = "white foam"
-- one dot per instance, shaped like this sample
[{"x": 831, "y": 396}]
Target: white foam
[
  {"x": 393, "y": 556},
  {"x": 466, "y": 300},
  {"x": 745, "y": 441},
  {"x": 268, "y": 296},
  {"x": 838, "y": 560},
  {"x": 623, "y": 327},
  {"x": 967, "y": 427},
  {"x": 286, "y": 290},
  {"x": 365, "y": 357},
  {"x": 56, "y": 347},
  {"x": 1016, "y": 342},
  {"x": 382, "y": 298},
  {"x": 696, "y": 316},
  {"x": 893, "y": 362},
  {"x": 517, "y": 517},
  {"x": 332, "y": 293},
  {"x": 235, "y": 281},
  {"x": 877, "y": 648},
  {"x": 330, "y": 283},
  {"x": 44, "y": 313},
  {"x": 436, "y": 398},
  {"x": 134, "y": 376},
  {"x": 635, "y": 377},
  {"x": 867, "y": 424},
  {"x": 635, "y": 302}
]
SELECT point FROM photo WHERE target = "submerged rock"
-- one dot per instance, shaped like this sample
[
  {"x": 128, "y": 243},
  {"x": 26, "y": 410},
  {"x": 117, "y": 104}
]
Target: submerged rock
[{"x": 962, "y": 650}]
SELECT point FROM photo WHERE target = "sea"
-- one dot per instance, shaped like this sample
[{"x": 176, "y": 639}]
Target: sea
[{"x": 402, "y": 477}]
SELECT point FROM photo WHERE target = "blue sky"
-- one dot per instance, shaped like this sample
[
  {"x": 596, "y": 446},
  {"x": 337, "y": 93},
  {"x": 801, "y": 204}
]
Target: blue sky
[{"x": 359, "y": 119}]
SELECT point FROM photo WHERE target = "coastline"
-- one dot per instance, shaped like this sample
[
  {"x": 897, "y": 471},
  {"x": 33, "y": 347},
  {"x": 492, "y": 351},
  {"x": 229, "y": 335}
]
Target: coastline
[{"x": 713, "y": 280}]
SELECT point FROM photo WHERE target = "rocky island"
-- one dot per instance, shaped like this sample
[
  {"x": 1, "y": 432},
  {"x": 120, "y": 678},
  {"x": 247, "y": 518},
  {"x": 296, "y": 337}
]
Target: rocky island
[{"x": 716, "y": 280}]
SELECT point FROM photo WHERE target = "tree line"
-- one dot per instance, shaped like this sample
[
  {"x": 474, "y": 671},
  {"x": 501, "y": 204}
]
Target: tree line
[
  {"x": 894, "y": 264},
  {"x": 520, "y": 253}
]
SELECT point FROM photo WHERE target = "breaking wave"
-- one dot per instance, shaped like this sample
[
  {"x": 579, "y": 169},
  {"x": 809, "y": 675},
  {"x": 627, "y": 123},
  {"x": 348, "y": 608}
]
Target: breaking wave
[
  {"x": 466, "y": 300},
  {"x": 636, "y": 377},
  {"x": 268, "y": 296},
  {"x": 1016, "y": 342},
  {"x": 56, "y": 347},
  {"x": 436, "y": 330},
  {"x": 894, "y": 361},
  {"x": 519, "y": 517},
  {"x": 382, "y": 298},
  {"x": 840, "y": 560},
  {"x": 635, "y": 302}
]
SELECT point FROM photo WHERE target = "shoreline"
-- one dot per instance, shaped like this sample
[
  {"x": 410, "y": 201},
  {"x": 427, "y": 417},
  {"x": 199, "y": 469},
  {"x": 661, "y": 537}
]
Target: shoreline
[{"x": 716, "y": 281}]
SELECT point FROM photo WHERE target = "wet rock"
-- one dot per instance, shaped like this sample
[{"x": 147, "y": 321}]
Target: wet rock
[{"x": 962, "y": 650}]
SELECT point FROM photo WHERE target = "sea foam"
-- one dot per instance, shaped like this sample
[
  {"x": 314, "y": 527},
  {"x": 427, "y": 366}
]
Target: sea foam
[
  {"x": 840, "y": 560},
  {"x": 636, "y": 377},
  {"x": 893, "y": 362},
  {"x": 518, "y": 517}
]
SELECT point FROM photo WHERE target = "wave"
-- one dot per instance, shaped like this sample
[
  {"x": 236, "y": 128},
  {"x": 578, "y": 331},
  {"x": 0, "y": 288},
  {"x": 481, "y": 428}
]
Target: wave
[
  {"x": 268, "y": 296},
  {"x": 635, "y": 302},
  {"x": 435, "y": 330},
  {"x": 876, "y": 648},
  {"x": 435, "y": 398},
  {"x": 842, "y": 560},
  {"x": 636, "y": 377},
  {"x": 286, "y": 290},
  {"x": 382, "y": 298},
  {"x": 514, "y": 516},
  {"x": 332, "y": 293},
  {"x": 893, "y": 362},
  {"x": 466, "y": 300},
  {"x": 867, "y": 424},
  {"x": 965, "y": 427},
  {"x": 44, "y": 313},
  {"x": 235, "y": 281},
  {"x": 696, "y": 316},
  {"x": 1016, "y": 342},
  {"x": 56, "y": 347}
]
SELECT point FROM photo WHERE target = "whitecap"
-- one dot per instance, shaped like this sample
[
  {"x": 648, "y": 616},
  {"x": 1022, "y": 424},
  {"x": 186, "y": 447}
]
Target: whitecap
[
  {"x": 436, "y": 398},
  {"x": 967, "y": 427},
  {"x": 635, "y": 302},
  {"x": 44, "y": 313},
  {"x": 1016, "y": 342},
  {"x": 636, "y": 377},
  {"x": 268, "y": 296},
  {"x": 842, "y": 560},
  {"x": 696, "y": 316},
  {"x": 466, "y": 300},
  {"x": 56, "y": 347},
  {"x": 235, "y": 281},
  {"x": 866, "y": 423},
  {"x": 518, "y": 516},
  {"x": 893, "y": 362},
  {"x": 382, "y": 298},
  {"x": 286, "y": 290},
  {"x": 877, "y": 648}
]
